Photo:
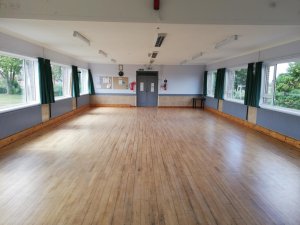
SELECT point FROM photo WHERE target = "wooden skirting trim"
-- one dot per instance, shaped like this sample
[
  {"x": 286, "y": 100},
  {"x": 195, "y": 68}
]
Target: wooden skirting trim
[
  {"x": 52, "y": 122},
  {"x": 258, "y": 128},
  {"x": 112, "y": 105},
  {"x": 162, "y": 106}
]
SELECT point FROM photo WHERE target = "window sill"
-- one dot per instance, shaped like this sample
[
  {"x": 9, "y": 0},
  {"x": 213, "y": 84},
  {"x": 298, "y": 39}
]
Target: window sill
[
  {"x": 84, "y": 94},
  {"x": 18, "y": 107},
  {"x": 62, "y": 98},
  {"x": 294, "y": 112},
  {"x": 235, "y": 101}
]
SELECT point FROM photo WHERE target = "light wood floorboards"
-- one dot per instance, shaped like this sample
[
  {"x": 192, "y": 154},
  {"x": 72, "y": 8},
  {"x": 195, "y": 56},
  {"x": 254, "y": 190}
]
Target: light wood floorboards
[{"x": 149, "y": 166}]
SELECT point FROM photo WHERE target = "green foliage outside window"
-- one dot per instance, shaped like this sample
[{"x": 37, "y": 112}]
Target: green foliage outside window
[
  {"x": 287, "y": 89},
  {"x": 57, "y": 75},
  {"x": 10, "y": 75}
]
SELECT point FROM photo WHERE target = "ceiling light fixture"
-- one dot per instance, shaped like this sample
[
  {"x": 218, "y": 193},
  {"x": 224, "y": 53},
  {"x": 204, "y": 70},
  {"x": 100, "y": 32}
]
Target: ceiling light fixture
[
  {"x": 183, "y": 62},
  {"x": 227, "y": 41},
  {"x": 160, "y": 38},
  {"x": 101, "y": 52},
  {"x": 154, "y": 54},
  {"x": 198, "y": 55},
  {"x": 81, "y": 37}
]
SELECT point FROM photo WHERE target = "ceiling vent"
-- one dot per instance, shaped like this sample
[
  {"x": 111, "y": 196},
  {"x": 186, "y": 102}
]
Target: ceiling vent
[
  {"x": 160, "y": 38},
  {"x": 154, "y": 55}
]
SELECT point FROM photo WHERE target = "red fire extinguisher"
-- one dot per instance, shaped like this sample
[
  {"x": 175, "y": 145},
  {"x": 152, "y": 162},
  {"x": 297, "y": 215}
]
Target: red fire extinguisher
[{"x": 132, "y": 85}]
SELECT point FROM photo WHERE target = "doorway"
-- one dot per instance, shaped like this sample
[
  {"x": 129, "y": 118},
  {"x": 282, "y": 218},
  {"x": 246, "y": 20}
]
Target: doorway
[{"x": 147, "y": 88}]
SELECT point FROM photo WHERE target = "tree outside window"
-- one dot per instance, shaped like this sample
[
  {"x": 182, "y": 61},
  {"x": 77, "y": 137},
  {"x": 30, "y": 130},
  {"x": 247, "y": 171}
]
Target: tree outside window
[
  {"x": 236, "y": 84},
  {"x": 282, "y": 85},
  {"x": 18, "y": 81}
]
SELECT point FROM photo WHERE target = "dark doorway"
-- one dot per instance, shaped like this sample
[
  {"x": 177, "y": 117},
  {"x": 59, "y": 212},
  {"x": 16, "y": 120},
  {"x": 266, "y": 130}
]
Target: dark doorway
[{"x": 147, "y": 88}]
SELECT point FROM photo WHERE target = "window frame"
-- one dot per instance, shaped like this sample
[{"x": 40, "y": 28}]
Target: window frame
[
  {"x": 87, "y": 85},
  {"x": 36, "y": 83},
  {"x": 239, "y": 101},
  {"x": 273, "y": 107},
  {"x": 57, "y": 98},
  {"x": 211, "y": 73}
]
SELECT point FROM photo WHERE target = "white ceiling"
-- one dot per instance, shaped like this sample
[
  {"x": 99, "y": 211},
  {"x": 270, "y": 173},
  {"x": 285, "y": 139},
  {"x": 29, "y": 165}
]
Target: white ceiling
[{"x": 128, "y": 35}]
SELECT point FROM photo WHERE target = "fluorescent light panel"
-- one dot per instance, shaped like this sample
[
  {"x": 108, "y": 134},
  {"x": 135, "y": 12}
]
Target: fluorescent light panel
[
  {"x": 160, "y": 38},
  {"x": 183, "y": 62},
  {"x": 81, "y": 37},
  {"x": 101, "y": 52},
  {"x": 197, "y": 56},
  {"x": 154, "y": 54}
]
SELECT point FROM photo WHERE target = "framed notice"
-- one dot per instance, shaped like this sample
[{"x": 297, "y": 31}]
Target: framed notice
[
  {"x": 120, "y": 83},
  {"x": 105, "y": 82}
]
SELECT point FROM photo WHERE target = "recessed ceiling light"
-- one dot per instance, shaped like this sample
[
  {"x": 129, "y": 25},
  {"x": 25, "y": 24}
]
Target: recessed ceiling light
[{"x": 160, "y": 38}]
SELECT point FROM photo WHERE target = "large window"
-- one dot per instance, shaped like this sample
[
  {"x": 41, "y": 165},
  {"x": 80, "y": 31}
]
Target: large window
[
  {"x": 61, "y": 80},
  {"x": 211, "y": 83},
  {"x": 235, "y": 84},
  {"x": 83, "y": 81},
  {"x": 18, "y": 81},
  {"x": 281, "y": 85}
]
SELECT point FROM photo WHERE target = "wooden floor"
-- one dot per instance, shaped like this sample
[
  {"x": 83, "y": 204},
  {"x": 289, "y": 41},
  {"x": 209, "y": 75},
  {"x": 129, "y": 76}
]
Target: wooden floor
[{"x": 149, "y": 166}]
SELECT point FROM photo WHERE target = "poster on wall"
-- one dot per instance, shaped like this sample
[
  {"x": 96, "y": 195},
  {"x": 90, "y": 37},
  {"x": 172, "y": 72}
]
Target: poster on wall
[
  {"x": 120, "y": 83},
  {"x": 105, "y": 82}
]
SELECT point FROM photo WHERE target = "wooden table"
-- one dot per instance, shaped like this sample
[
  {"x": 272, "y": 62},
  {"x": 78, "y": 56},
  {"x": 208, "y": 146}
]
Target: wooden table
[{"x": 202, "y": 101}]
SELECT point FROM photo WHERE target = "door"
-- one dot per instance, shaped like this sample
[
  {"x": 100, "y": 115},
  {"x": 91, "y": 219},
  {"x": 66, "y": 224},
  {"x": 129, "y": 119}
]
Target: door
[{"x": 147, "y": 88}]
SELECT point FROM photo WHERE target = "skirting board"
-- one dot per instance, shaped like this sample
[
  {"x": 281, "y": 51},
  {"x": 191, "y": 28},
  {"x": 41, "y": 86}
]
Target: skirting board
[
  {"x": 175, "y": 107},
  {"x": 128, "y": 106},
  {"x": 258, "y": 128},
  {"x": 52, "y": 122},
  {"x": 112, "y": 105}
]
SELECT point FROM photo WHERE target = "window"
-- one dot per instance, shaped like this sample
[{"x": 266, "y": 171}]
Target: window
[
  {"x": 61, "y": 76},
  {"x": 211, "y": 83},
  {"x": 18, "y": 81},
  {"x": 83, "y": 81},
  {"x": 235, "y": 84},
  {"x": 281, "y": 85}
]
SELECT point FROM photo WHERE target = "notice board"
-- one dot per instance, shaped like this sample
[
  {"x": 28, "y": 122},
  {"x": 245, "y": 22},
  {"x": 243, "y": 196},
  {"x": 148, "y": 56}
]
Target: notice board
[
  {"x": 105, "y": 82},
  {"x": 120, "y": 82}
]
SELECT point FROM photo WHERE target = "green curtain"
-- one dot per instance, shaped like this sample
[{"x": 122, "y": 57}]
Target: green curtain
[
  {"x": 75, "y": 82},
  {"x": 257, "y": 87},
  {"x": 91, "y": 84},
  {"x": 249, "y": 83},
  {"x": 205, "y": 83},
  {"x": 219, "y": 89},
  {"x": 46, "y": 82},
  {"x": 253, "y": 84}
]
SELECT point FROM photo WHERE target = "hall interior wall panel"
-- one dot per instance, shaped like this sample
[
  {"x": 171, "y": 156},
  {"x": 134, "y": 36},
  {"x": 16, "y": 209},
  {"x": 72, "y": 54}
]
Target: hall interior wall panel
[
  {"x": 83, "y": 100},
  {"x": 17, "y": 120},
  {"x": 129, "y": 100},
  {"x": 61, "y": 107},
  {"x": 180, "y": 101}
]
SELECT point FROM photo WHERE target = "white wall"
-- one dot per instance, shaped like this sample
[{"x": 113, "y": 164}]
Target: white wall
[
  {"x": 181, "y": 79},
  {"x": 275, "y": 54},
  {"x": 20, "y": 47}
]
